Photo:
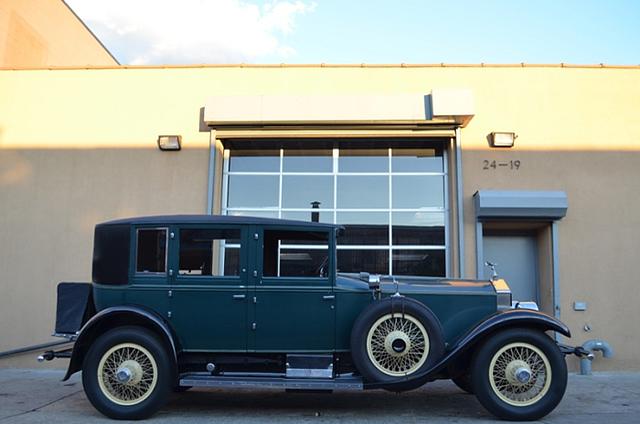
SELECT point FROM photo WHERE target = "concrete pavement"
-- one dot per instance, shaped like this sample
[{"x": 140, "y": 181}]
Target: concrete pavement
[{"x": 38, "y": 396}]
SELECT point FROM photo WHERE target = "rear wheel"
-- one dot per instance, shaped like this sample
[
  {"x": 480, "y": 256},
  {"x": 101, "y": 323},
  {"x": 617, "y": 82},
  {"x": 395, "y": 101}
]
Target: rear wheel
[
  {"x": 394, "y": 339},
  {"x": 126, "y": 373},
  {"x": 519, "y": 374}
]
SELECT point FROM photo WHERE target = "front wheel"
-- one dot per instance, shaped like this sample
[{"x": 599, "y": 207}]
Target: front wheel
[
  {"x": 126, "y": 373},
  {"x": 519, "y": 375},
  {"x": 396, "y": 338}
]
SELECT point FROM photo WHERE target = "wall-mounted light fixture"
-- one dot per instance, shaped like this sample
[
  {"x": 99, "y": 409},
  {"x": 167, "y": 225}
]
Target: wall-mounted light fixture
[
  {"x": 169, "y": 142},
  {"x": 502, "y": 139}
]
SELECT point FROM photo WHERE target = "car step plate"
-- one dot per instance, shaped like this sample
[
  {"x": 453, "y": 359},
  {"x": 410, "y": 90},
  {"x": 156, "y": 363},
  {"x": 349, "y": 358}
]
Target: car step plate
[{"x": 206, "y": 380}]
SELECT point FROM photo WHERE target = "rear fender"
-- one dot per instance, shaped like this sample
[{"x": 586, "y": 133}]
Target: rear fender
[
  {"x": 512, "y": 318},
  {"x": 110, "y": 318}
]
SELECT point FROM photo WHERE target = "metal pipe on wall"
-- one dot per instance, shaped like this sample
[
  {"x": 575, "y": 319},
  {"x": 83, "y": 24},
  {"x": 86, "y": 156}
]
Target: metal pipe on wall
[{"x": 594, "y": 345}]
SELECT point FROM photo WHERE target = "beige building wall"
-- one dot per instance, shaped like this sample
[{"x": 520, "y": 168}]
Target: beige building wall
[
  {"x": 41, "y": 33},
  {"x": 79, "y": 146}
]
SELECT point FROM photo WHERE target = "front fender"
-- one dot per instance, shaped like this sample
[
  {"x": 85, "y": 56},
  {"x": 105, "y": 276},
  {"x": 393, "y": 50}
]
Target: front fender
[
  {"x": 510, "y": 318},
  {"x": 113, "y": 317}
]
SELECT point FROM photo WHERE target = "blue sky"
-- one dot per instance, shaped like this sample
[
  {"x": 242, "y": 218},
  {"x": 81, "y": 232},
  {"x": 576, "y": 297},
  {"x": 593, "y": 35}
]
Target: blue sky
[{"x": 377, "y": 31}]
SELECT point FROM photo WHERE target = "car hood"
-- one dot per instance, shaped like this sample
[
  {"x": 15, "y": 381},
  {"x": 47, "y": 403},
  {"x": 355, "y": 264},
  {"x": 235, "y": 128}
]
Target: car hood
[{"x": 415, "y": 284}]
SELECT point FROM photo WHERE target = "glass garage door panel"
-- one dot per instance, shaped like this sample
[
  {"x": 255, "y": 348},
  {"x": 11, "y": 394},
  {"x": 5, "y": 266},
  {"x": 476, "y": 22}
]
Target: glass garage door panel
[
  {"x": 364, "y": 228},
  {"x": 418, "y": 228},
  {"x": 417, "y": 160},
  {"x": 390, "y": 196},
  {"x": 419, "y": 262},
  {"x": 254, "y": 160},
  {"x": 257, "y": 191},
  {"x": 357, "y": 260},
  {"x": 309, "y": 216},
  {"x": 363, "y": 192},
  {"x": 363, "y": 160},
  {"x": 417, "y": 191},
  {"x": 306, "y": 160},
  {"x": 303, "y": 191}
]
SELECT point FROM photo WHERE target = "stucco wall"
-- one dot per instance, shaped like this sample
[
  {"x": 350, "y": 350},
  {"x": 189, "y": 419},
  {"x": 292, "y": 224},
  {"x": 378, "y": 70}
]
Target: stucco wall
[{"x": 78, "y": 146}]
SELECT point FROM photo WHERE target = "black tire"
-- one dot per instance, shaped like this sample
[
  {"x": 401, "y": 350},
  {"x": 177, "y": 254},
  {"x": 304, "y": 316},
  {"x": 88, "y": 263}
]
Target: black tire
[
  {"x": 463, "y": 381},
  {"x": 547, "y": 384},
  {"x": 103, "y": 396},
  {"x": 401, "y": 308}
]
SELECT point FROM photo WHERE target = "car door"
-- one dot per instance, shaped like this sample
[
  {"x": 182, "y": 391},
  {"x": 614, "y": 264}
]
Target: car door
[
  {"x": 209, "y": 288},
  {"x": 291, "y": 280}
]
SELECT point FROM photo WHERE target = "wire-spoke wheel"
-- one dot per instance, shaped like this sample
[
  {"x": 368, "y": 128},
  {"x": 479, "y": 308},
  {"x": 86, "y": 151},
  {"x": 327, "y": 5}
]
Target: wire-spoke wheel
[
  {"x": 127, "y": 374},
  {"x": 519, "y": 374},
  {"x": 397, "y": 344},
  {"x": 394, "y": 339}
]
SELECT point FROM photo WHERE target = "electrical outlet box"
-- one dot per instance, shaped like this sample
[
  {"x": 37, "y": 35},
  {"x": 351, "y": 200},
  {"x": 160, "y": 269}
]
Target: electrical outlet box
[{"x": 579, "y": 306}]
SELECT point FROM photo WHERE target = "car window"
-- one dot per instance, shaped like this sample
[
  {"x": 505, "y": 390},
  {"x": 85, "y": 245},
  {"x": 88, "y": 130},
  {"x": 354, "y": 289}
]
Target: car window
[
  {"x": 151, "y": 256},
  {"x": 209, "y": 252},
  {"x": 296, "y": 254}
]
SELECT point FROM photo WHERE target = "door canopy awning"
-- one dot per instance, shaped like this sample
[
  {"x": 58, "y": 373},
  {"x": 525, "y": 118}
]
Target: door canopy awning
[
  {"x": 452, "y": 107},
  {"x": 513, "y": 204}
]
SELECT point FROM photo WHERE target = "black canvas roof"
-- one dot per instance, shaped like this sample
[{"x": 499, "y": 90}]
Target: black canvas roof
[{"x": 212, "y": 219}]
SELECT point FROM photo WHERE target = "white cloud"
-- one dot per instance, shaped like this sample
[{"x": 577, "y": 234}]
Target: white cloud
[{"x": 192, "y": 31}]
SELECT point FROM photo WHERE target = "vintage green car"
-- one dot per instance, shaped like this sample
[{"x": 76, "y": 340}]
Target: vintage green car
[{"x": 225, "y": 301}]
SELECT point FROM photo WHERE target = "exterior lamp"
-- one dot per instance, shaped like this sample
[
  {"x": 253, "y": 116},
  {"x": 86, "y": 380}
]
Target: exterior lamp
[
  {"x": 502, "y": 139},
  {"x": 169, "y": 142}
]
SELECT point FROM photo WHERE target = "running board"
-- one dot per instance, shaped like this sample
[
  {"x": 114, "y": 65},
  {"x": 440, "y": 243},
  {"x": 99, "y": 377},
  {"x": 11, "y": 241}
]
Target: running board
[{"x": 241, "y": 382}]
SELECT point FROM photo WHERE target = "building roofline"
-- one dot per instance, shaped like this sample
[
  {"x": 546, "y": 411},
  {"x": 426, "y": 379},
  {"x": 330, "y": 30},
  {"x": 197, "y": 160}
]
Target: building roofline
[
  {"x": 334, "y": 65},
  {"x": 92, "y": 34}
]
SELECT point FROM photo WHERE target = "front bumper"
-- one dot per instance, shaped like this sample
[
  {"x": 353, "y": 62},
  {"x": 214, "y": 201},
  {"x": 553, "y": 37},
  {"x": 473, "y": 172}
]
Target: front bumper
[{"x": 579, "y": 351}]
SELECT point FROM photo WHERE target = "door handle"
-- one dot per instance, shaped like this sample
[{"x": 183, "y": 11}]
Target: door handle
[
  {"x": 328, "y": 297},
  {"x": 239, "y": 296}
]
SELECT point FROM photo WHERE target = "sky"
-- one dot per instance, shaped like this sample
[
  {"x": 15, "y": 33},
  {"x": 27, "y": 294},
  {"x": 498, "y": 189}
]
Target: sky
[{"x": 155, "y": 32}]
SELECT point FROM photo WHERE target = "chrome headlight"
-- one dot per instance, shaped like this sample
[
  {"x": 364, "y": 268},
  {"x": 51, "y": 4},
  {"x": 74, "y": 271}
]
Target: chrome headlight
[{"x": 503, "y": 293}]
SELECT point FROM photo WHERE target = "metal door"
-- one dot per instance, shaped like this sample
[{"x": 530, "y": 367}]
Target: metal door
[{"x": 516, "y": 257}]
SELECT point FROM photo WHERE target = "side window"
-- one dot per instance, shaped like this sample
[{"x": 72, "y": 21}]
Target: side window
[
  {"x": 210, "y": 252},
  {"x": 296, "y": 254},
  {"x": 151, "y": 248}
]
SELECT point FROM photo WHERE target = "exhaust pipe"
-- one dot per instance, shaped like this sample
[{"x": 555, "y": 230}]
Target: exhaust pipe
[
  {"x": 591, "y": 346},
  {"x": 52, "y": 354}
]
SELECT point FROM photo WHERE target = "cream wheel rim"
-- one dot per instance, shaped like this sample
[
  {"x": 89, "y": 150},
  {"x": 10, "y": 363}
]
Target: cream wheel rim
[
  {"x": 397, "y": 344},
  {"x": 127, "y": 374},
  {"x": 520, "y": 374}
]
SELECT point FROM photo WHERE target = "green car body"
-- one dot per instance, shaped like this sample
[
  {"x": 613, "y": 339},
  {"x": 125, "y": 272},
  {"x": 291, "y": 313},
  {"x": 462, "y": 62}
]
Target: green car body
[
  {"x": 228, "y": 301},
  {"x": 291, "y": 314}
]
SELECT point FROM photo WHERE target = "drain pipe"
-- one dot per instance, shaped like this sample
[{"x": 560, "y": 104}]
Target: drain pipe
[{"x": 591, "y": 346}]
